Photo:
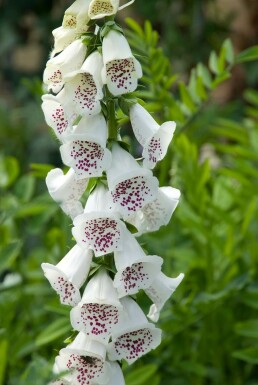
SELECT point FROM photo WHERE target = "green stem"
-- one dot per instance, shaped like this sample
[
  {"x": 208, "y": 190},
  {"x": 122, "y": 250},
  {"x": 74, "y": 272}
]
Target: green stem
[{"x": 112, "y": 122}]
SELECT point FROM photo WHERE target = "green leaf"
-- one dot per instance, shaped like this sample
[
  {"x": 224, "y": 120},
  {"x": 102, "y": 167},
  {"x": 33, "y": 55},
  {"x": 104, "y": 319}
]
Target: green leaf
[
  {"x": 247, "y": 55},
  {"x": 3, "y": 359},
  {"x": 141, "y": 376},
  {"x": 229, "y": 51},
  {"x": 9, "y": 253},
  {"x": 249, "y": 355},
  {"x": 213, "y": 63},
  {"x": 25, "y": 187},
  {"x": 248, "y": 328},
  {"x": 54, "y": 331},
  {"x": 186, "y": 97},
  {"x": 204, "y": 74},
  {"x": 9, "y": 171}
]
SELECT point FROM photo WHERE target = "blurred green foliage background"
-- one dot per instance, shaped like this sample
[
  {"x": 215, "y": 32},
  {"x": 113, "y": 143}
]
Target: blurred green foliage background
[{"x": 194, "y": 75}]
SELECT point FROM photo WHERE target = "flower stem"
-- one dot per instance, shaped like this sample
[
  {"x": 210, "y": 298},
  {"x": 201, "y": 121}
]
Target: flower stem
[{"x": 112, "y": 122}]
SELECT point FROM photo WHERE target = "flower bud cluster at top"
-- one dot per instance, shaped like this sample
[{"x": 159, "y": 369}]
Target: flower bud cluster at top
[{"x": 91, "y": 69}]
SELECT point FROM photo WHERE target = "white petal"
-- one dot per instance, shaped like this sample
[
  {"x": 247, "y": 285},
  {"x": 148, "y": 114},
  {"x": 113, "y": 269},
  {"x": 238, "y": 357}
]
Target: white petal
[
  {"x": 69, "y": 60},
  {"x": 76, "y": 15},
  {"x": 155, "y": 139},
  {"x": 69, "y": 274},
  {"x": 135, "y": 270},
  {"x": 55, "y": 115},
  {"x": 63, "y": 37},
  {"x": 131, "y": 186},
  {"x": 84, "y": 93},
  {"x": 98, "y": 311},
  {"x": 102, "y": 8},
  {"x": 121, "y": 70},
  {"x": 160, "y": 291},
  {"x": 157, "y": 213},
  {"x": 117, "y": 377},
  {"x": 133, "y": 336}
]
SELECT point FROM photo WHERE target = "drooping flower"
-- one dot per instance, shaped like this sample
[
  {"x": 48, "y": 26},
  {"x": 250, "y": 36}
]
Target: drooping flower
[
  {"x": 99, "y": 228},
  {"x": 133, "y": 336},
  {"x": 66, "y": 190},
  {"x": 59, "y": 117},
  {"x": 64, "y": 37},
  {"x": 102, "y": 8},
  {"x": 69, "y": 274},
  {"x": 154, "y": 138},
  {"x": 157, "y": 213},
  {"x": 69, "y": 60},
  {"x": 77, "y": 15},
  {"x": 135, "y": 270},
  {"x": 121, "y": 70},
  {"x": 84, "y": 86},
  {"x": 159, "y": 292},
  {"x": 98, "y": 311},
  {"x": 84, "y": 358},
  {"x": 131, "y": 186},
  {"x": 85, "y": 148}
]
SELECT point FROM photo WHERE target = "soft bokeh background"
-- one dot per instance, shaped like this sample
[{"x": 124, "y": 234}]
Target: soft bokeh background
[{"x": 210, "y": 324}]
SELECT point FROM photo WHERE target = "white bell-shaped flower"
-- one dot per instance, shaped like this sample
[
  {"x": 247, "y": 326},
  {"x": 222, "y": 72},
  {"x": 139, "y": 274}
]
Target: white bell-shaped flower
[
  {"x": 85, "y": 361},
  {"x": 84, "y": 86},
  {"x": 99, "y": 228},
  {"x": 63, "y": 37},
  {"x": 98, "y": 311},
  {"x": 66, "y": 190},
  {"x": 76, "y": 16},
  {"x": 133, "y": 336},
  {"x": 103, "y": 8},
  {"x": 121, "y": 70},
  {"x": 60, "y": 119},
  {"x": 154, "y": 138},
  {"x": 157, "y": 213},
  {"x": 85, "y": 149},
  {"x": 131, "y": 186},
  {"x": 69, "y": 274},
  {"x": 159, "y": 292},
  {"x": 69, "y": 60},
  {"x": 135, "y": 270}
]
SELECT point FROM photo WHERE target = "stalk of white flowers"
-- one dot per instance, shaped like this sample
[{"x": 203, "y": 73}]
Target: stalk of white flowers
[
  {"x": 99, "y": 309},
  {"x": 133, "y": 336},
  {"x": 99, "y": 228},
  {"x": 85, "y": 148},
  {"x": 159, "y": 292},
  {"x": 69, "y": 60},
  {"x": 154, "y": 138},
  {"x": 157, "y": 213},
  {"x": 66, "y": 190},
  {"x": 121, "y": 70},
  {"x": 131, "y": 186},
  {"x": 69, "y": 274},
  {"x": 135, "y": 270}
]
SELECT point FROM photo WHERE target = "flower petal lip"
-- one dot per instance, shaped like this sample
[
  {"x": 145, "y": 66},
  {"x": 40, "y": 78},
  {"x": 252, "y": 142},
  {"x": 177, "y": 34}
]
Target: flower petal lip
[
  {"x": 98, "y": 311},
  {"x": 102, "y": 8},
  {"x": 76, "y": 15},
  {"x": 159, "y": 292},
  {"x": 70, "y": 59},
  {"x": 85, "y": 149},
  {"x": 135, "y": 270},
  {"x": 154, "y": 138},
  {"x": 134, "y": 336},
  {"x": 69, "y": 274},
  {"x": 157, "y": 213}
]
